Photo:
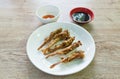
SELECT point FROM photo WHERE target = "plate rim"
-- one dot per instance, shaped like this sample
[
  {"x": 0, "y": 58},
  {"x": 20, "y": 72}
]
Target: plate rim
[{"x": 78, "y": 26}]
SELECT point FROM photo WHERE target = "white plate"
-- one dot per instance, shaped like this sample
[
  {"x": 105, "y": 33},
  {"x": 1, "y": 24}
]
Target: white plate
[{"x": 38, "y": 59}]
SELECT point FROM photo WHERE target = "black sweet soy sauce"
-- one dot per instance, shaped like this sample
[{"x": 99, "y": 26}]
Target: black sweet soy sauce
[{"x": 81, "y": 16}]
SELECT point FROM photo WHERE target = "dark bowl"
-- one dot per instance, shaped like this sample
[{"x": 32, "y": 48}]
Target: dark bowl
[{"x": 83, "y": 10}]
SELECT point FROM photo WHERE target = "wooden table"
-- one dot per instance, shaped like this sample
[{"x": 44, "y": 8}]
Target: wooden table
[{"x": 18, "y": 21}]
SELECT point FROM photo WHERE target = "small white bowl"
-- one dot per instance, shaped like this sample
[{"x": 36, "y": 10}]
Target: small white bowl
[{"x": 48, "y": 10}]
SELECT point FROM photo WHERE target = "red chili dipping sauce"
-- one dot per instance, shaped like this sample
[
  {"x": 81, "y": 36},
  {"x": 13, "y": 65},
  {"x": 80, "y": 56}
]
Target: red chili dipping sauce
[{"x": 48, "y": 16}]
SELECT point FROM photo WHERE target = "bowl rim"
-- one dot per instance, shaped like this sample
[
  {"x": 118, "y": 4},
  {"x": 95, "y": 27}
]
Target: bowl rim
[
  {"x": 56, "y": 16},
  {"x": 72, "y": 11}
]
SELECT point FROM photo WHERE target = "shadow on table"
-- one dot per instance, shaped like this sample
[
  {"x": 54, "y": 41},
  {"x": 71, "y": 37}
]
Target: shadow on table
[
  {"x": 88, "y": 27},
  {"x": 87, "y": 73}
]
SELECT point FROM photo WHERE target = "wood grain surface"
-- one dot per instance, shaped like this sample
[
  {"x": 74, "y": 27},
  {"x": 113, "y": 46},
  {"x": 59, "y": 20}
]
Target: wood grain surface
[{"x": 18, "y": 21}]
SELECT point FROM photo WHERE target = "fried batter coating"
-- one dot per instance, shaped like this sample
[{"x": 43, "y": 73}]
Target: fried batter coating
[
  {"x": 61, "y": 36},
  {"x": 64, "y": 44},
  {"x": 48, "y": 39},
  {"x": 66, "y": 50},
  {"x": 75, "y": 55}
]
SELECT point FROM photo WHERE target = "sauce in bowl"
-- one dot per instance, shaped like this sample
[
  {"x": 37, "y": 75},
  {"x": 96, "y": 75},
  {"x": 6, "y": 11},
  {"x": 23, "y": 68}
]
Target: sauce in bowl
[
  {"x": 48, "y": 16},
  {"x": 81, "y": 17}
]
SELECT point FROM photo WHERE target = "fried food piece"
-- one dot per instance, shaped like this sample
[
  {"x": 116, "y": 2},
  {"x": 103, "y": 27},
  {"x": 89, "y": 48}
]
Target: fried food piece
[
  {"x": 64, "y": 44},
  {"x": 61, "y": 36},
  {"x": 75, "y": 55},
  {"x": 48, "y": 39},
  {"x": 66, "y": 50}
]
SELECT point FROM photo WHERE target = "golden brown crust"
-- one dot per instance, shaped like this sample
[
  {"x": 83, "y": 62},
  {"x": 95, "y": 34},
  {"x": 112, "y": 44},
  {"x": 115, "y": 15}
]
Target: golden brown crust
[
  {"x": 64, "y": 44},
  {"x": 66, "y": 50},
  {"x": 61, "y": 36},
  {"x": 63, "y": 48},
  {"x": 75, "y": 55},
  {"x": 48, "y": 39}
]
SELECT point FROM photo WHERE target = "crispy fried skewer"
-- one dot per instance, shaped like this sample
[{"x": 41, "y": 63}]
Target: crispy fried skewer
[
  {"x": 75, "y": 55},
  {"x": 64, "y": 44},
  {"x": 63, "y": 35},
  {"x": 66, "y": 50},
  {"x": 48, "y": 39}
]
